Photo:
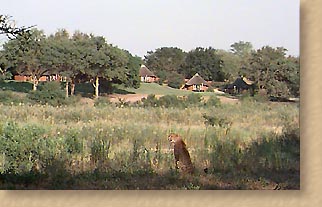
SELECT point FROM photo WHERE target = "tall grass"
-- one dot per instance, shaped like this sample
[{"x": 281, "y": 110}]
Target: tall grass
[{"x": 114, "y": 145}]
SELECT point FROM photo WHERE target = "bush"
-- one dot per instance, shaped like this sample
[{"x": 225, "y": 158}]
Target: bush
[
  {"x": 151, "y": 101},
  {"x": 194, "y": 98},
  {"x": 170, "y": 101},
  {"x": 102, "y": 101},
  {"x": 8, "y": 97},
  {"x": 24, "y": 148},
  {"x": 49, "y": 93},
  {"x": 213, "y": 101}
]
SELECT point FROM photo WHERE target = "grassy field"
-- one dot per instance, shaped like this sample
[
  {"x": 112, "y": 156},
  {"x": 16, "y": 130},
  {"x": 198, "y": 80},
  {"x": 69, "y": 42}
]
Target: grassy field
[
  {"x": 114, "y": 147},
  {"x": 124, "y": 146}
]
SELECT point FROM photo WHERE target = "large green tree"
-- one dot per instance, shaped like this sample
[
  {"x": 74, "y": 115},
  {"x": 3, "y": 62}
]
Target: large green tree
[
  {"x": 165, "y": 61},
  {"x": 105, "y": 62},
  {"x": 132, "y": 70},
  {"x": 273, "y": 71},
  {"x": 28, "y": 55},
  {"x": 242, "y": 48},
  {"x": 204, "y": 61},
  {"x": 231, "y": 64}
]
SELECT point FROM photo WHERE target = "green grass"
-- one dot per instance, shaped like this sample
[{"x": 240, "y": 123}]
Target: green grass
[
  {"x": 112, "y": 147},
  {"x": 84, "y": 147},
  {"x": 154, "y": 88}
]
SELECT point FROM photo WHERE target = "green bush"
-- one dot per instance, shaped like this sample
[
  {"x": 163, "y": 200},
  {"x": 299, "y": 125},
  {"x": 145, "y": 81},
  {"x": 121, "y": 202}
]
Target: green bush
[
  {"x": 24, "y": 148},
  {"x": 213, "y": 101},
  {"x": 150, "y": 101},
  {"x": 168, "y": 101},
  {"x": 73, "y": 142},
  {"x": 102, "y": 102},
  {"x": 50, "y": 93},
  {"x": 194, "y": 98},
  {"x": 8, "y": 97}
]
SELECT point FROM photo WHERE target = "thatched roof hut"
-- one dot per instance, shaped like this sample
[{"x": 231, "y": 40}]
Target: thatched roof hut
[
  {"x": 146, "y": 74},
  {"x": 196, "y": 80},
  {"x": 239, "y": 85},
  {"x": 196, "y": 83}
]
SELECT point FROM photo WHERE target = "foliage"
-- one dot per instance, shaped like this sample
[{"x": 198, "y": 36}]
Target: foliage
[
  {"x": 24, "y": 148},
  {"x": 77, "y": 58},
  {"x": 194, "y": 99},
  {"x": 102, "y": 101},
  {"x": 49, "y": 93},
  {"x": 8, "y": 28},
  {"x": 175, "y": 80},
  {"x": 167, "y": 59},
  {"x": 213, "y": 101},
  {"x": 273, "y": 71},
  {"x": 170, "y": 101},
  {"x": 85, "y": 147},
  {"x": 150, "y": 100},
  {"x": 204, "y": 61},
  {"x": 241, "y": 48},
  {"x": 133, "y": 66},
  {"x": 8, "y": 97}
]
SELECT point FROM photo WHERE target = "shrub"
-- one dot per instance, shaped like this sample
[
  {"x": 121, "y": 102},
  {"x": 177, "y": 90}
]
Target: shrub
[
  {"x": 194, "y": 98},
  {"x": 213, "y": 101},
  {"x": 73, "y": 143},
  {"x": 170, "y": 101},
  {"x": 8, "y": 97},
  {"x": 102, "y": 101},
  {"x": 24, "y": 148},
  {"x": 151, "y": 100},
  {"x": 99, "y": 151},
  {"x": 49, "y": 93}
]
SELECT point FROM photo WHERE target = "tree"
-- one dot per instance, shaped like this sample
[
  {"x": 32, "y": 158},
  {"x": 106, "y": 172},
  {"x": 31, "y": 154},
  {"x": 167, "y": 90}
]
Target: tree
[
  {"x": 273, "y": 72},
  {"x": 28, "y": 55},
  {"x": 105, "y": 62},
  {"x": 4, "y": 72},
  {"x": 204, "y": 61},
  {"x": 165, "y": 60},
  {"x": 242, "y": 48},
  {"x": 132, "y": 70},
  {"x": 231, "y": 64},
  {"x": 175, "y": 80},
  {"x": 8, "y": 27}
]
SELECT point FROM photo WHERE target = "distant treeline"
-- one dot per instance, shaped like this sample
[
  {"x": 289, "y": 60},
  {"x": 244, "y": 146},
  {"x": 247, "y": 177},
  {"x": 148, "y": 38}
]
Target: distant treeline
[
  {"x": 270, "y": 68},
  {"x": 84, "y": 57}
]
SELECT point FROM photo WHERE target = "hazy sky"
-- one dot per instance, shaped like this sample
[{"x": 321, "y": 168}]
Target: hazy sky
[{"x": 143, "y": 25}]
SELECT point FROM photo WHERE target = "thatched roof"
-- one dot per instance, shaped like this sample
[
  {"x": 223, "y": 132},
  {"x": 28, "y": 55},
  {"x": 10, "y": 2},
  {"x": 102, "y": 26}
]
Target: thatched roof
[
  {"x": 241, "y": 82},
  {"x": 145, "y": 72},
  {"x": 196, "y": 80}
]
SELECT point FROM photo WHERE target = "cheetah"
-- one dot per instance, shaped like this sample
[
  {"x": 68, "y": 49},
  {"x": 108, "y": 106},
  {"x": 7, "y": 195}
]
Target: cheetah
[{"x": 181, "y": 153}]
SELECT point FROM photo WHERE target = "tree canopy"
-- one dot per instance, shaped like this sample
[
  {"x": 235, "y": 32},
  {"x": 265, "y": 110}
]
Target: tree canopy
[{"x": 81, "y": 56}]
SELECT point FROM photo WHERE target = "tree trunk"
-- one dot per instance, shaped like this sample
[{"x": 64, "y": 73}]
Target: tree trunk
[
  {"x": 72, "y": 88},
  {"x": 35, "y": 84},
  {"x": 96, "y": 86},
  {"x": 66, "y": 88}
]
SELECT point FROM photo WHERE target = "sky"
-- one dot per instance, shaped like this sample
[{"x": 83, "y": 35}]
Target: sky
[{"x": 145, "y": 25}]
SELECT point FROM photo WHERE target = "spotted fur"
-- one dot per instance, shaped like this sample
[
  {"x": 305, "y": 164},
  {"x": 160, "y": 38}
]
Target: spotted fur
[{"x": 181, "y": 154}]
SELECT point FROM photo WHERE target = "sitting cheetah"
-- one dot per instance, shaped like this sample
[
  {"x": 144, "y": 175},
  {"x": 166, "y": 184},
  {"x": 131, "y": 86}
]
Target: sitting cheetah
[{"x": 181, "y": 153}]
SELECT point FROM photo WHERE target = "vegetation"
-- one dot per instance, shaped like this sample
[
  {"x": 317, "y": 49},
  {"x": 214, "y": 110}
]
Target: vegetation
[
  {"x": 252, "y": 145},
  {"x": 77, "y": 58},
  {"x": 268, "y": 67},
  {"x": 51, "y": 139}
]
